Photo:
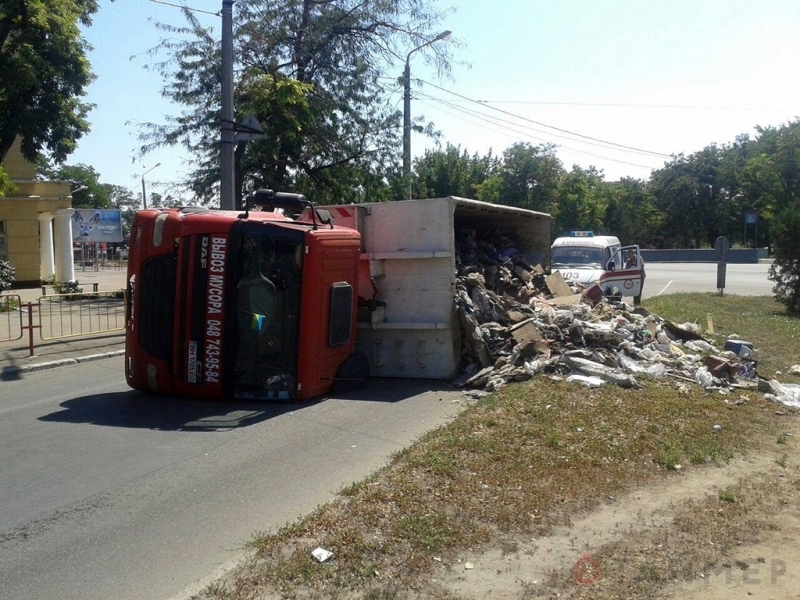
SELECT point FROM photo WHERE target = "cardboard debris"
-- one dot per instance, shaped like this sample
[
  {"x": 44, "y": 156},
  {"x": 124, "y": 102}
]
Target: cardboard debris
[
  {"x": 681, "y": 333},
  {"x": 557, "y": 285},
  {"x": 566, "y": 300},
  {"x": 518, "y": 321},
  {"x": 525, "y": 332}
]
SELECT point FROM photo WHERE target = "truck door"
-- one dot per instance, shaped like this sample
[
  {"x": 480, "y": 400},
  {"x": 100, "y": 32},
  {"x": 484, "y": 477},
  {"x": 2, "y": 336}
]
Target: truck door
[{"x": 628, "y": 274}]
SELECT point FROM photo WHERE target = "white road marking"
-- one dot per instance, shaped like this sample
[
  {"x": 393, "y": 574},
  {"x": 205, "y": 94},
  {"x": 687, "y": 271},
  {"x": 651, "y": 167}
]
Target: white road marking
[{"x": 664, "y": 289}]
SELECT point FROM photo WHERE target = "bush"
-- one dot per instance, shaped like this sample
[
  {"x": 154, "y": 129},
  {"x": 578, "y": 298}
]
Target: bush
[
  {"x": 785, "y": 271},
  {"x": 67, "y": 287},
  {"x": 6, "y": 275}
]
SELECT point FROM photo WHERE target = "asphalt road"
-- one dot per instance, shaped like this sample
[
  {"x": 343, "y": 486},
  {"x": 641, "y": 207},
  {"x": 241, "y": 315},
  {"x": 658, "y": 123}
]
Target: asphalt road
[
  {"x": 108, "y": 493},
  {"x": 672, "y": 278}
]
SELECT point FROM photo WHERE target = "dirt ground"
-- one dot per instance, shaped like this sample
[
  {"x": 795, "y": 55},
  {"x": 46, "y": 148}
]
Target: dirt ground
[{"x": 754, "y": 554}]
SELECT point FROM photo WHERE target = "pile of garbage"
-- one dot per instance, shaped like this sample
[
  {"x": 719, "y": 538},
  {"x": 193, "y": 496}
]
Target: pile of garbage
[{"x": 518, "y": 321}]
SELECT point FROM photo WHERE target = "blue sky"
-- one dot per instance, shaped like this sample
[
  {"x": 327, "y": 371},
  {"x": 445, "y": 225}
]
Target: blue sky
[{"x": 665, "y": 76}]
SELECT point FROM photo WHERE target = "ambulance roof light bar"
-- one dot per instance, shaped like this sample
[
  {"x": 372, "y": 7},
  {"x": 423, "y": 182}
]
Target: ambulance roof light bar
[{"x": 581, "y": 234}]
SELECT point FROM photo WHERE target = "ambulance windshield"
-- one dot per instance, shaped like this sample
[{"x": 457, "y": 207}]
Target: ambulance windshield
[{"x": 576, "y": 257}]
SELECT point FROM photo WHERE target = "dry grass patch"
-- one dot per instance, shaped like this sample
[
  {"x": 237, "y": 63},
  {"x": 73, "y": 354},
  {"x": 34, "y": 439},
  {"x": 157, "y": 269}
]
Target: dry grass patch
[
  {"x": 705, "y": 540},
  {"x": 527, "y": 459}
]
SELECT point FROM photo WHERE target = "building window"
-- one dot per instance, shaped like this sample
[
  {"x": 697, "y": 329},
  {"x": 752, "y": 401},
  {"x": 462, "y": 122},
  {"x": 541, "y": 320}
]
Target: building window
[{"x": 3, "y": 244}]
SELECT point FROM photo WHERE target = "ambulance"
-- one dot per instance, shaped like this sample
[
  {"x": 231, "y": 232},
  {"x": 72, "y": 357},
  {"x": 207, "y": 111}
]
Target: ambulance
[{"x": 585, "y": 258}]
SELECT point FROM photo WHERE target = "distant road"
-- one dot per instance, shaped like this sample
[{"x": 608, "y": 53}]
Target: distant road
[{"x": 672, "y": 278}]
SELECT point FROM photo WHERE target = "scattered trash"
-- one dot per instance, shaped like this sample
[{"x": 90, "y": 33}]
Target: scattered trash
[
  {"x": 321, "y": 554},
  {"x": 518, "y": 321},
  {"x": 794, "y": 370},
  {"x": 468, "y": 566},
  {"x": 740, "y": 348},
  {"x": 590, "y": 382},
  {"x": 703, "y": 377},
  {"x": 717, "y": 428}
]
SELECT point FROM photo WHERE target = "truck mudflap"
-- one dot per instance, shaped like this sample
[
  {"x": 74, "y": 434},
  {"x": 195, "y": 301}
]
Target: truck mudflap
[{"x": 408, "y": 324}]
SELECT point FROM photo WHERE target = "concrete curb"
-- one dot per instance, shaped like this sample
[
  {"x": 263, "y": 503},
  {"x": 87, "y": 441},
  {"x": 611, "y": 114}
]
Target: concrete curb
[{"x": 14, "y": 370}]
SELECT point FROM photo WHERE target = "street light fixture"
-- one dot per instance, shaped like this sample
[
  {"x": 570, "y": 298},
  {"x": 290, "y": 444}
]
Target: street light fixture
[
  {"x": 407, "y": 108},
  {"x": 144, "y": 193}
]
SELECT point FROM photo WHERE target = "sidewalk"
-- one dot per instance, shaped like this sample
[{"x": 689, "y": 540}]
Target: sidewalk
[{"x": 15, "y": 355}]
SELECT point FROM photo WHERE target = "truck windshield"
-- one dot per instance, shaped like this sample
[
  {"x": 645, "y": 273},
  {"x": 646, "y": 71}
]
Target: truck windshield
[
  {"x": 576, "y": 256},
  {"x": 267, "y": 300}
]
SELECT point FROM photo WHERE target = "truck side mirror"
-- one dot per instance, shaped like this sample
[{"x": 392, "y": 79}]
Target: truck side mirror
[
  {"x": 325, "y": 217},
  {"x": 612, "y": 266}
]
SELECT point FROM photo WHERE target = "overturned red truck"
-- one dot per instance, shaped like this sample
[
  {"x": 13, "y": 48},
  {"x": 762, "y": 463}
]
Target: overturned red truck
[{"x": 256, "y": 305}]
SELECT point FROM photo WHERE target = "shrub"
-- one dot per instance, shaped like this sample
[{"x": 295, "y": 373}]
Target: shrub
[
  {"x": 6, "y": 275},
  {"x": 785, "y": 272}
]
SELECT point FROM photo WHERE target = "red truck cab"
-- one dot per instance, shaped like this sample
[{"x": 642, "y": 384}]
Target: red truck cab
[{"x": 239, "y": 305}]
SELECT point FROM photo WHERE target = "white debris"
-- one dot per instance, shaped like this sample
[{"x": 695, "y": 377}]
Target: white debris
[
  {"x": 321, "y": 554},
  {"x": 588, "y": 381}
]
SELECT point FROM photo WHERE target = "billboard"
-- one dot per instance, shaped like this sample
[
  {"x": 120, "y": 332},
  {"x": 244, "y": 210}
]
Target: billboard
[{"x": 96, "y": 225}]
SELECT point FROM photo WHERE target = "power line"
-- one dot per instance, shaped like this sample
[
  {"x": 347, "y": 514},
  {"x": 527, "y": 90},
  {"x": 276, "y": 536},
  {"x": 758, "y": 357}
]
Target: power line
[
  {"x": 659, "y": 154},
  {"x": 625, "y": 105},
  {"x": 525, "y": 137},
  {"x": 572, "y": 139},
  {"x": 183, "y": 6}
]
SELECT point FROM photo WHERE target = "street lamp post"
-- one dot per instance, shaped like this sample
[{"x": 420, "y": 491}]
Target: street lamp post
[
  {"x": 227, "y": 185},
  {"x": 144, "y": 192},
  {"x": 407, "y": 109}
]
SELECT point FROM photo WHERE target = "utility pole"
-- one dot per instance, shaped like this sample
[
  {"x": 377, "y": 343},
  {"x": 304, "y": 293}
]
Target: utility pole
[
  {"x": 407, "y": 108},
  {"x": 226, "y": 177},
  {"x": 144, "y": 191},
  {"x": 407, "y": 125}
]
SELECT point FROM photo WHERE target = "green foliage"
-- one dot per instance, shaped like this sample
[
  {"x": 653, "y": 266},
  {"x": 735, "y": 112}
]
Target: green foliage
[
  {"x": 530, "y": 176},
  {"x": 631, "y": 214},
  {"x": 6, "y": 275},
  {"x": 453, "y": 172},
  {"x": 582, "y": 199},
  {"x": 68, "y": 290},
  {"x": 6, "y": 185},
  {"x": 313, "y": 74},
  {"x": 90, "y": 193},
  {"x": 695, "y": 197},
  {"x": 44, "y": 73},
  {"x": 785, "y": 271}
]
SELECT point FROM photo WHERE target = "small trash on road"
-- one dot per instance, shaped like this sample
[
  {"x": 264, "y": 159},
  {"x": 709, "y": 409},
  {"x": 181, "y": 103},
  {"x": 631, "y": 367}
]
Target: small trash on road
[{"x": 321, "y": 554}]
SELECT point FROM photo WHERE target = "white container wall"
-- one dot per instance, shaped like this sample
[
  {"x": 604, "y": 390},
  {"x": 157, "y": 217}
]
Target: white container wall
[{"x": 411, "y": 250}]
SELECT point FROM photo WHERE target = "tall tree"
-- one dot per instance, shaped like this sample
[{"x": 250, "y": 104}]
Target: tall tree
[
  {"x": 581, "y": 201},
  {"x": 697, "y": 196},
  {"x": 122, "y": 198},
  {"x": 452, "y": 172},
  {"x": 631, "y": 214},
  {"x": 85, "y": 181},
  {"x": 778, "y": 170},
  {"x": 312, "y": 72},
  {"x": 530, "y": 176},
  {"x": 44, "y": 73}
]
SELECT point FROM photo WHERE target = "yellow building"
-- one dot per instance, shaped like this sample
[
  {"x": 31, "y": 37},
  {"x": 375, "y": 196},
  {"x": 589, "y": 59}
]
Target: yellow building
[{"x": 35, "y": 224}]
